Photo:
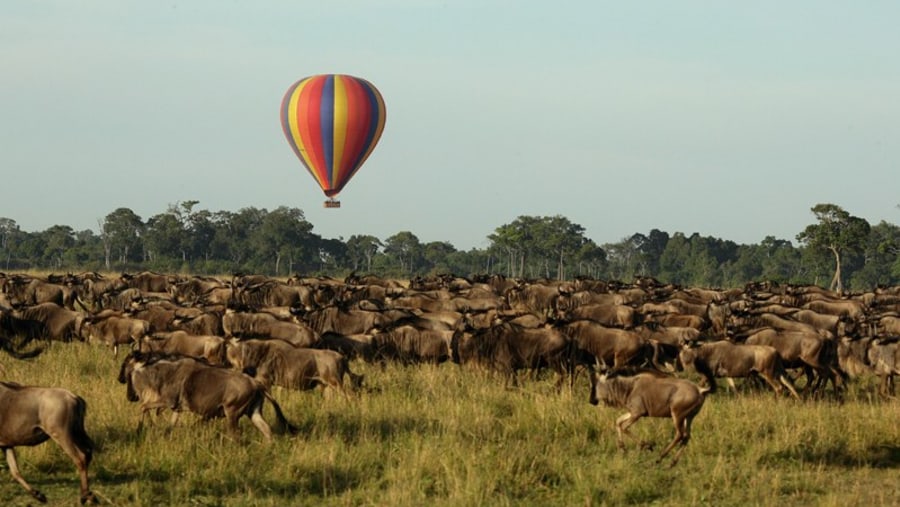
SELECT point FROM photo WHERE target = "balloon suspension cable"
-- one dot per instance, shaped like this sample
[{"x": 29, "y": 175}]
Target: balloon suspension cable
[{"x": 332, "y": 203}]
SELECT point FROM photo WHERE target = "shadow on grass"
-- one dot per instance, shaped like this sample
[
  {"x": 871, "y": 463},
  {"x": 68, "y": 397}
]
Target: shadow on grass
[{"x": 837, "y": 455}]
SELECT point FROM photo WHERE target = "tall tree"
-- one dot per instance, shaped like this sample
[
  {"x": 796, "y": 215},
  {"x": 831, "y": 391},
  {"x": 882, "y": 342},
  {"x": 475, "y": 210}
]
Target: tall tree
[
  {"x": 164, "y": 237},
  {"x": 363, "y": 248},
  {"x": 837, "y": 232},
  {"x": 285, "y": 232},
  {"x": 59, "y": 238},
  {"x": 121, "y": 232},
  {"x": 436, "y": 254},
  {"x": 9, "y": 234},
  {"x": 406, "y": 248}
]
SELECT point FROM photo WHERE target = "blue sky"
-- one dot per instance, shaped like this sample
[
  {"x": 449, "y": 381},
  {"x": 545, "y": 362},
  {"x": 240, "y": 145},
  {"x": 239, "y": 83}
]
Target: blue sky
[{"x": 723, "y": 118}]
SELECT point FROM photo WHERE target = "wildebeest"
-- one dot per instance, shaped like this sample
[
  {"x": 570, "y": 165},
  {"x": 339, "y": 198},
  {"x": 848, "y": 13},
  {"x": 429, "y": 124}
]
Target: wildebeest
[
  {"x": 726, "y": 359},
  {"x": 23, "y": 290},
  {"x": 31, "y": 415},
  {"x": 147, "y": 281},
  {"x": 50, "y": 321},
  {"x": 114, "y": 329},
  {"x": 274, "y": 293},
  {"x": 352, "y": 321},
  {"x": 277, "y": 362},
  {"x": 409, "y": 344},
  {"x": 804, "y": 349},
  {"x": 650, "y": 394},
  {"x": 182, "y": 383},
  {"x": 884, "y": 356},
  {"x": 209, "y": 347},
  {"x": 351, "y": 347},
  {"x": 264, "y": 325},
  {"x": 508, "y": 348},
  {"x": 623, "y": 316}
]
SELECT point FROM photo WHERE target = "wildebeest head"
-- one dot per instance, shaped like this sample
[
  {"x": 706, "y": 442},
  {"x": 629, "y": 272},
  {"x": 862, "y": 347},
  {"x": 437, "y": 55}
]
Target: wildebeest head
[{"x": 133, "y": 362}]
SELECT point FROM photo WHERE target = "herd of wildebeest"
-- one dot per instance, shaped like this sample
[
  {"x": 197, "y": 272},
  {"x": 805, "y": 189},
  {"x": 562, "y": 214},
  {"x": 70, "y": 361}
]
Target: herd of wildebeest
[{"x": 214, "y": 346}]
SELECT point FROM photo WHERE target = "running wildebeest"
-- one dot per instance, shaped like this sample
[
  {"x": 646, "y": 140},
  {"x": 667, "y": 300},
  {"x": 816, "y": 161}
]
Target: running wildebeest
[
  {"x": 30, "y": 415},
  {"x": 723, "y": 358},
  {"x": 652, "y": 394},
  {"x": 183, "y": 383}
]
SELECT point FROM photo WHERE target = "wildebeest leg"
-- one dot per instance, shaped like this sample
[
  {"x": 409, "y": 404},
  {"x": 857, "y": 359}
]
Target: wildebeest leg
[
  {"x": 17, "y": 475},
  {"x": 622, "y": 424},
  {"x": 685, "y": 430},
  {"x": 786, "y": 381},
  {"x": 257, "y": 419},
  {"x": 78, "y": 446},
  {"x": 884, "y": 387}
]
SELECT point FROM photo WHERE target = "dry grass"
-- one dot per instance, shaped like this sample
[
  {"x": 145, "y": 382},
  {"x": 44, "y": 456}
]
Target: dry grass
[{"x": 444, "y": 436}]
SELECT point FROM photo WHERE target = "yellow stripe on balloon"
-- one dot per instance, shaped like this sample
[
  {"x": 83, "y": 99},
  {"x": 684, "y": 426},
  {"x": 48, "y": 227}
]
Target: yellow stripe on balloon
[
  {"x": 295, "y": 131},
  {"x": 340, "y": 126}
]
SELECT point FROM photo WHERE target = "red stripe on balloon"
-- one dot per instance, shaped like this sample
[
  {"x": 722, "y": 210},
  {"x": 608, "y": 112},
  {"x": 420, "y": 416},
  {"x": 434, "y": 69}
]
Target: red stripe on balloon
[
  {"x": 309, "y": 124},
  {"x": 358, "y": 118}
]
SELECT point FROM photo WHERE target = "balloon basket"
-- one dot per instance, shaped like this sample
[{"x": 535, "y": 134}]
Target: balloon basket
[{"x": 331, "y": 203}]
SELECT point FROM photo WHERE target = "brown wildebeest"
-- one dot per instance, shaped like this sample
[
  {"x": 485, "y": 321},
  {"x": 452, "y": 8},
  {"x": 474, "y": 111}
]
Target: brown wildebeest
[
  {"x": 884, "y": 356},
  {"x": 182, "y": 383},
  {"x": 651, "y": 394},
  {"x": 410, "y": 344},
  {"x": 508, "y": 348},
  {"x": 50, "y": 321},
  {"x": 277, "y": 362},
  {"x": 726, "y": 359},
  {"x": 208, "y": 347},
  {"x": 807, "y": 350},
  {"x": 266, "y": 326},
  {"x": 31, "y": 415},
  {"x": 113, "y": 329}
]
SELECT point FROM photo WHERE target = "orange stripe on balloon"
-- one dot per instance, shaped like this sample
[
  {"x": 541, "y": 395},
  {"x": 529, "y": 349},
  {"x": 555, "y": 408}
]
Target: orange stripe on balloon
[
  {"x": 309, "y": 121},
  {"x": 301, "y": 146},
  {"x": 342, "y": 122}
]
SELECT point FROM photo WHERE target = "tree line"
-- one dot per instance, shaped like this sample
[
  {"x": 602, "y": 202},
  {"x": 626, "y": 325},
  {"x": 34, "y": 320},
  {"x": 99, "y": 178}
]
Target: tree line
[{"x": 837, "y": 250}]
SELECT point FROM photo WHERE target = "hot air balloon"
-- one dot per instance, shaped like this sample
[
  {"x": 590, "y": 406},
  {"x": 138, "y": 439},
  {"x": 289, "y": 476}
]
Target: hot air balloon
[{"x": 332, "y": 121}]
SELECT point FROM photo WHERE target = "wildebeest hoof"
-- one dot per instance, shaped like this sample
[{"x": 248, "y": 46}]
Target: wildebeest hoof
[
  {"x": 646, "y": 446},
  {"x": 89, "y": 498},
  {"x": 39, "y": 496}
]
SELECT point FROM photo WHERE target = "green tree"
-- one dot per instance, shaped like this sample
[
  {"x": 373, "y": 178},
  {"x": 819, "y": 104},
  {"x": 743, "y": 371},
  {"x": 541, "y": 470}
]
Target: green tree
[
  {"x": 837, "y": 232},
  {"x": 558, "y": 237},
  {"x": 58, "y": 240},
  {"x": 541, "y": 241},
  {"x": 121, "y": 233},
  {"x": 164, "y": 237},
  {"x": 437, "y": 256},
  {"x": 285, "y": 233},
  {"x": 880, "y": 258},
  {"x": 9, "y": 238},
  {"x": 406, "y": 248},
  {"x": 363, "y": 249}
]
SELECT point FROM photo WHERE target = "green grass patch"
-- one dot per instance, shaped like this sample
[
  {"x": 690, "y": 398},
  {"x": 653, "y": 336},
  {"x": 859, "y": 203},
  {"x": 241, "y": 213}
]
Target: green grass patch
[{"x": 448, "y": 437}]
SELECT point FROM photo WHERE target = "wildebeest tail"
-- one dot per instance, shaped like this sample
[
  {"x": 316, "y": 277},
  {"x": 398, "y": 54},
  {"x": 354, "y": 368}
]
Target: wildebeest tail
[
  {"x": 356, "y": 380},
  {"x": 79, "y": 435},
  {"x": 14, "y": 349},
  {"x": 704, "y": 369},
  {"x": 283, "y": 425}
]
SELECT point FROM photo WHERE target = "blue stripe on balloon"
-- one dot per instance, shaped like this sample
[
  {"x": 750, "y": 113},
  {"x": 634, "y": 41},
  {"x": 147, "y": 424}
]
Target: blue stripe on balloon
[{"x": 326, "y": 124}]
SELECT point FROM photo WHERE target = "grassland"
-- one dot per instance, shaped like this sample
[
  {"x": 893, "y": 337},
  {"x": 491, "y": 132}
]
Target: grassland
[{"x": 443, "y": 436}]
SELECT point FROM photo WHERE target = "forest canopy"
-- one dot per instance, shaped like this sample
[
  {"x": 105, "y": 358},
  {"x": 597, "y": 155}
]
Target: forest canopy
[{"x": 836, "y": 250}]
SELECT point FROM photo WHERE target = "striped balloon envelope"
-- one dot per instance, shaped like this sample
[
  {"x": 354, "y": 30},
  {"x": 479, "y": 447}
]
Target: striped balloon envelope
[{"x": 333, "y": 122}]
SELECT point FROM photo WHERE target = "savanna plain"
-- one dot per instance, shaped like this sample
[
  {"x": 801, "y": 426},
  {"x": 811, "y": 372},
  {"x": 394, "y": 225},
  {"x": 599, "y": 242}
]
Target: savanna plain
[{"x": 445, "y": 435}]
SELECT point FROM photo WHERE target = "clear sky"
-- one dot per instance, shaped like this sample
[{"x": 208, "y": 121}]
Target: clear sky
[{"x": 730, "y": 119}]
